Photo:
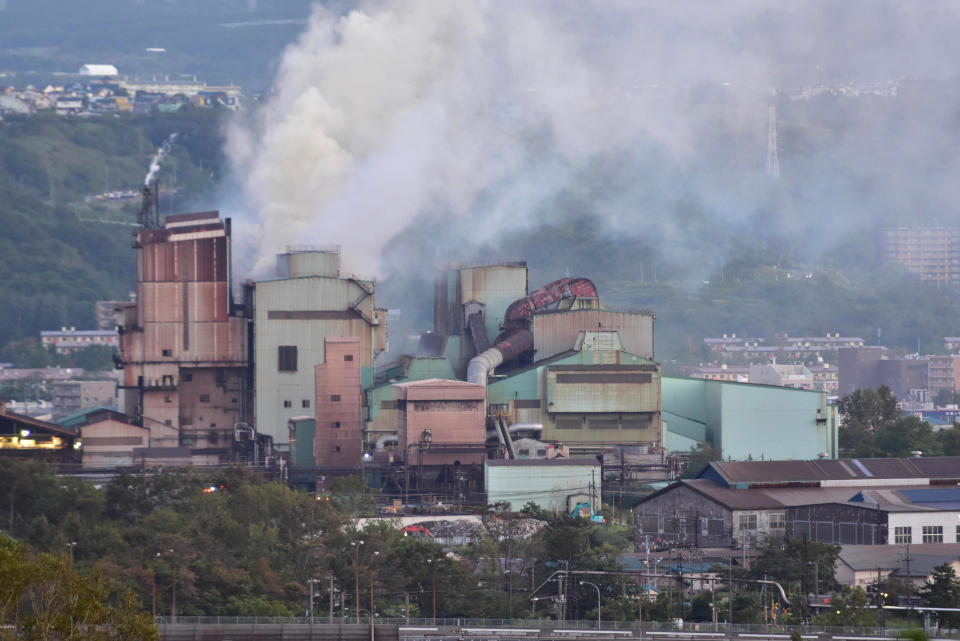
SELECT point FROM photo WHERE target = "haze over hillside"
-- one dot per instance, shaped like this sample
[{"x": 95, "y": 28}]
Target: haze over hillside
[{"x": 627, "y": 142}]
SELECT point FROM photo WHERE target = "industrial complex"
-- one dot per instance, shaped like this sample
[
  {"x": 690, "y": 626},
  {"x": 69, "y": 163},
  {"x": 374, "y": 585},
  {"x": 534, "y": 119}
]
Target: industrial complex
[{"x": 513, "y": 382}]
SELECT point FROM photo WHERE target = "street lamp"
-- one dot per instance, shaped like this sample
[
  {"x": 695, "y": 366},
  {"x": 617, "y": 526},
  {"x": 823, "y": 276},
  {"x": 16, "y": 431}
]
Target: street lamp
[
  {"x": 598, "y": 599},
  {"x": 71, "y": 545},
  {"x": 356, "y": 573},
  {"x": 173, "y": 605},
  {"x": 154, "y": 577},
  {"x": 433, "y": 580},
  {"x": 376, "y": 553}
]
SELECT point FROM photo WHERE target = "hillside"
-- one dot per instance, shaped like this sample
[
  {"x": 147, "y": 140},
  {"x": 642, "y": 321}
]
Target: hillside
[
  {"x": 711, "y": 248},
  {"x": 62, "y": 250}
]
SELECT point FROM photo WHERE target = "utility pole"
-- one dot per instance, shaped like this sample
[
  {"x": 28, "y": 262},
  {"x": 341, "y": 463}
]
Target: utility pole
[
  {"x": 356, "y": 573},
  {"x": 331, "y": 599},
  {"x": 730, "y": 593}
]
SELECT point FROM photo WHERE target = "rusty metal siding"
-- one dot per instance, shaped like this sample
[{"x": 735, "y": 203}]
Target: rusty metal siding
[
  {"x": 555, "y": 333},
  {"x": 582, "y": 396}
]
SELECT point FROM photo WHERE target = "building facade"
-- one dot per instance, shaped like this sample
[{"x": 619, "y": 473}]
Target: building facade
[
  {"x": 70, "y": 397},
  {"x": 294, "y": 314},
  {"x": 932, "y": 253},
  {"x": 338, "y": 442},
  {"x": 183, "y": 343}
]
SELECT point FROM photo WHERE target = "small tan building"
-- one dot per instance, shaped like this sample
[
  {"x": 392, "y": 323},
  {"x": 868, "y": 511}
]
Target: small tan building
[
  {"x": 107, "y": 437},
  {"x": 441, "y": 422}
]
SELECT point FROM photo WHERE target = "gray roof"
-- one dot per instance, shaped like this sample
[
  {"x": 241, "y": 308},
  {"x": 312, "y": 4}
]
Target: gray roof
[
  {"x": 923, "y": 557},
  {"x": 765, "y": 472},
  {"x": 771, "y": 498}
]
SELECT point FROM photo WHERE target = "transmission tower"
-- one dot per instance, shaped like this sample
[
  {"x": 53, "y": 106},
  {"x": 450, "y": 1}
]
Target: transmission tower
[{"x": 773, "y": 160}]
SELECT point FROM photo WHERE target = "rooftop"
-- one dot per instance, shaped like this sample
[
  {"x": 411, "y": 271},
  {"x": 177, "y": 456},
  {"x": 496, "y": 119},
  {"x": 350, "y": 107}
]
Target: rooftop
[
  {"x": 555, "y": 462},
  {"x": 832, "y": 472}
]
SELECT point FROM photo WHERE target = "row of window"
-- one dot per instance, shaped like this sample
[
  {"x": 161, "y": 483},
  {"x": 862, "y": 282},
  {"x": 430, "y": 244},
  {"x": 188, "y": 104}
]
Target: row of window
[
  {"x": 287, "y": 358},
  {"x": 928, "y": 533},
  {"x": 334, "y": 398},
  {"x": 775, "y": 521}
]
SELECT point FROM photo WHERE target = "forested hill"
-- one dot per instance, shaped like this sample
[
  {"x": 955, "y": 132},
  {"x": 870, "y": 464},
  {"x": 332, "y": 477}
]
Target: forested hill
[
  {"x": 62, "y": 249},
  {"x": 59, "y": 254}
]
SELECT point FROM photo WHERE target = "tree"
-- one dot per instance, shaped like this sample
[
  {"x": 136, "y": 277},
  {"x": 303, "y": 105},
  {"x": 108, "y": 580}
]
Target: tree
[
  {"x": 783, "y": 561},
  {"x": 942, "y": 590},
  {"x": 699, "y": 457},
  {"x": 849, "y": 607},
  {"x": 862, "y": 412},
  {"x": 904, "y": 435},
  {"x": 43, "y": 598},
  {"x": 351, "y": 497}
]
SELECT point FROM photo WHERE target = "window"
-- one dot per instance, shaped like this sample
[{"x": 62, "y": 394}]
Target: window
[
  {"x": 335, "y": 424},
  {"x": 167, "y": 399},
  {"x": 523, "y": 452},
  {"x": 305, "y": 403},
  {"x": 288, "y": 403},
  {"x": 168, "y": 423},
  {"x": 747, "y": 521},
  {"x": 778, "y": 521},
  {"x": 704, "y": 526},
  {"x": 204, "y": 398},
  {"x": 287, "y": 358},
  {"x": 903, "y": 534},
  {"x": 933, "y": 534},
  {"x": 187, "y": 378},
  {"x": 958, "y": 534},
  {"x": 186, "y": 440},
  {"x": 542, "y": 453},
  {"x": 337, "y": 448},
  {"x": 348, "y": 357},
  {"x": 334, "y": 398},
  {"x": 213, "y": 424},
  {"x": 167, "y": 352}
]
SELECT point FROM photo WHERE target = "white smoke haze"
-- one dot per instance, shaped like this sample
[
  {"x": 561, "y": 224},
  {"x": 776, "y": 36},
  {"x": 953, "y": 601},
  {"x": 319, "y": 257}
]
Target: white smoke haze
[
  {"x": 162, "y": 151},
  {"x": 476, "y": 115}
]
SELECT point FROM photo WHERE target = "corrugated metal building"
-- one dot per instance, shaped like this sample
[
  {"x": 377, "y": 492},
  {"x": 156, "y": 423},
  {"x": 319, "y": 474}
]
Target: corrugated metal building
[
  {"x": 748, "y": 421},
  {"x": 294, "y": 314},
  {"x": 587, "y": 399},
  {"x": 183, "y": 346}
]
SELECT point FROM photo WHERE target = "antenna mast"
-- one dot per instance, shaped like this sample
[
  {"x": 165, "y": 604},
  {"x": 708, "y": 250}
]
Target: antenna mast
[{"x": 773, "y": 160}]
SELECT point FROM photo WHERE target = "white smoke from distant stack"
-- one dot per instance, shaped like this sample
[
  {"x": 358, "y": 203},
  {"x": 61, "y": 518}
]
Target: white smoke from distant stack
[
  {"x": 162, "y": 151},
  {"x": 482, "y": 113}
]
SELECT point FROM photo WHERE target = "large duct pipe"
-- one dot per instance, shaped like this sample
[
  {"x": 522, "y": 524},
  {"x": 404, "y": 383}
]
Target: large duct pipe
[
  {"x": 516, "y": 339},
  {"x": 554, "y": 292},
  {"x": 508, "y": 349}
]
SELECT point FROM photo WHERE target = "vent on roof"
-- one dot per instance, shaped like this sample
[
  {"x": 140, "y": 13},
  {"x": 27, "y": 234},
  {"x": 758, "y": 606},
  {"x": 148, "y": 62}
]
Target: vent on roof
[{"x": 916, "y": 453}]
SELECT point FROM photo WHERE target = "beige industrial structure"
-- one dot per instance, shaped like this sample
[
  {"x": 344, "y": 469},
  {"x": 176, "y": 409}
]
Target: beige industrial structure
[{"x": 308, "y": 302}]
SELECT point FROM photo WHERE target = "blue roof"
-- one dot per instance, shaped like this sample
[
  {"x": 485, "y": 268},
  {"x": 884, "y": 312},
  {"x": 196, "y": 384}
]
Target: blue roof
[{"x": 931, "y": 495}]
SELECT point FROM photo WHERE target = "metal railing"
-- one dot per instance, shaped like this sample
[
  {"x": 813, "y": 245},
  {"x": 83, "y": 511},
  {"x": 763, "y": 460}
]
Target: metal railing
[{"x": 553, "y": 624}]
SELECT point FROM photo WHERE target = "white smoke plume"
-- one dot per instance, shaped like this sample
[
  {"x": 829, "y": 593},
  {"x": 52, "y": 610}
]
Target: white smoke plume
[
  {"x": 162, "y": 151},
  {"x": 479, "y": 113}
]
